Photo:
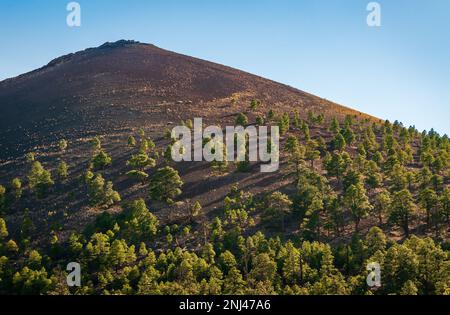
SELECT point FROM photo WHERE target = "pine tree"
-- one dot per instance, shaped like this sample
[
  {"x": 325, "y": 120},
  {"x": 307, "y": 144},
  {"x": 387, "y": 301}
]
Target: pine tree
[
  {"x": 141, "y": 133},
  {"x": 241, "y": 120},
  {"x": 234, "y": 283},
  {"x": 284, "y": 123},
  {"x": 312, "y": 153},
  {"x": 31, "y": 282},
  {"x": 312, "y": 222},
  {"x": 339, "y": 142},
  {"x": 3, "y": 230},
  {"x": 101, "y": 160},
  {"x": 141, "y": 162},
  {"x": 138, "y": 175},
  {"x": 352, "y": 177},
  {"x": 348, "y": 135},
  {"x": 336, "y": 166},
  {"x": 382, "y": 204},
  {"x": 16, "y": 185},
  {"x": 96, "y": 187},
  {"x": 40, "y": 180},
  {"x": 189, "y": 124},
  {"x": 26, "y": 228},
  {"x": 30, "y": 157},
  {"x": 139, "y": 223},
  {"x": 11, "y": 247},
  {"x": 291, "y": 144},
  {"x": 131, "y": 141},
  {"x": 398, "y": 178},
  {"x": 409, "y": 288},
  {"x": 355, "y": 198},
  {"x": 260, "y": 120},
  {"x": 335, "y": 127},
  {"x": 400, "y": 265},
  {"x": 221, "y": 166},
  {"x": 402, "y": 208},
  {"x": 279, "y": 206},
  {"x": 165, "y": 184},
  {"x": 110, "y": 195},
  {"x": 62, "y": 145},
  {"x": 375, "y": 241},
  {"x": 254, "y": 105},
  {"x": 296, "y": 119},
  {"x": 96, "y": 144},
  {"x": 264, "y": 269},
  {"x": 306, "y": 132},
  {"x": 374, "y": 178},
  {"x": 63, "y": 171},
  {"x": 227, "y": 262},
  {"x": 297, "y": 159},
  {"x": 194, "y": 211},
  {"x": 102, "y": 194},
  {"x": 428, "y": 200}
]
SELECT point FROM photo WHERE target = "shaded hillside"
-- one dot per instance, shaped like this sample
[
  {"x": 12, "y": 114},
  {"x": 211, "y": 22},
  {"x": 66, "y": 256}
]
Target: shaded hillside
[
  {"x": 127, "y": 84},
  {"x": 113, "y": 91},
  {"x": 86, "y": 176}
]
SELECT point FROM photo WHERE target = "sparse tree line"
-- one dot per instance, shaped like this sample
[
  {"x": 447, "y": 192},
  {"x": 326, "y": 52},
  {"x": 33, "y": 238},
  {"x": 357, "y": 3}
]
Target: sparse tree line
[{"x": 353, "y": 170}]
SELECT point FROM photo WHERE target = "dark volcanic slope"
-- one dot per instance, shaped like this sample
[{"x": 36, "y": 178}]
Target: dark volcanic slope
[{"x": 127, "y": 84}]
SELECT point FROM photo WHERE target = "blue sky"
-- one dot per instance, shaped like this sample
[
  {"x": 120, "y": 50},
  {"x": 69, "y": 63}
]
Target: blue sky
[{"x": 400, "y": 70}]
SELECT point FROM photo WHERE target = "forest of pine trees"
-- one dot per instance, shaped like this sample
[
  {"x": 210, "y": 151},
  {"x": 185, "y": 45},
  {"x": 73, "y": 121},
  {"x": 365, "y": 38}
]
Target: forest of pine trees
[{"x": 360, "y": 192}]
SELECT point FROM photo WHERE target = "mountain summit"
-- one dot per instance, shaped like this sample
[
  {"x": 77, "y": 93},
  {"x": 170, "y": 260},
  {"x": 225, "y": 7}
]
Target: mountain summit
[{"x": 127, "y": 84}]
